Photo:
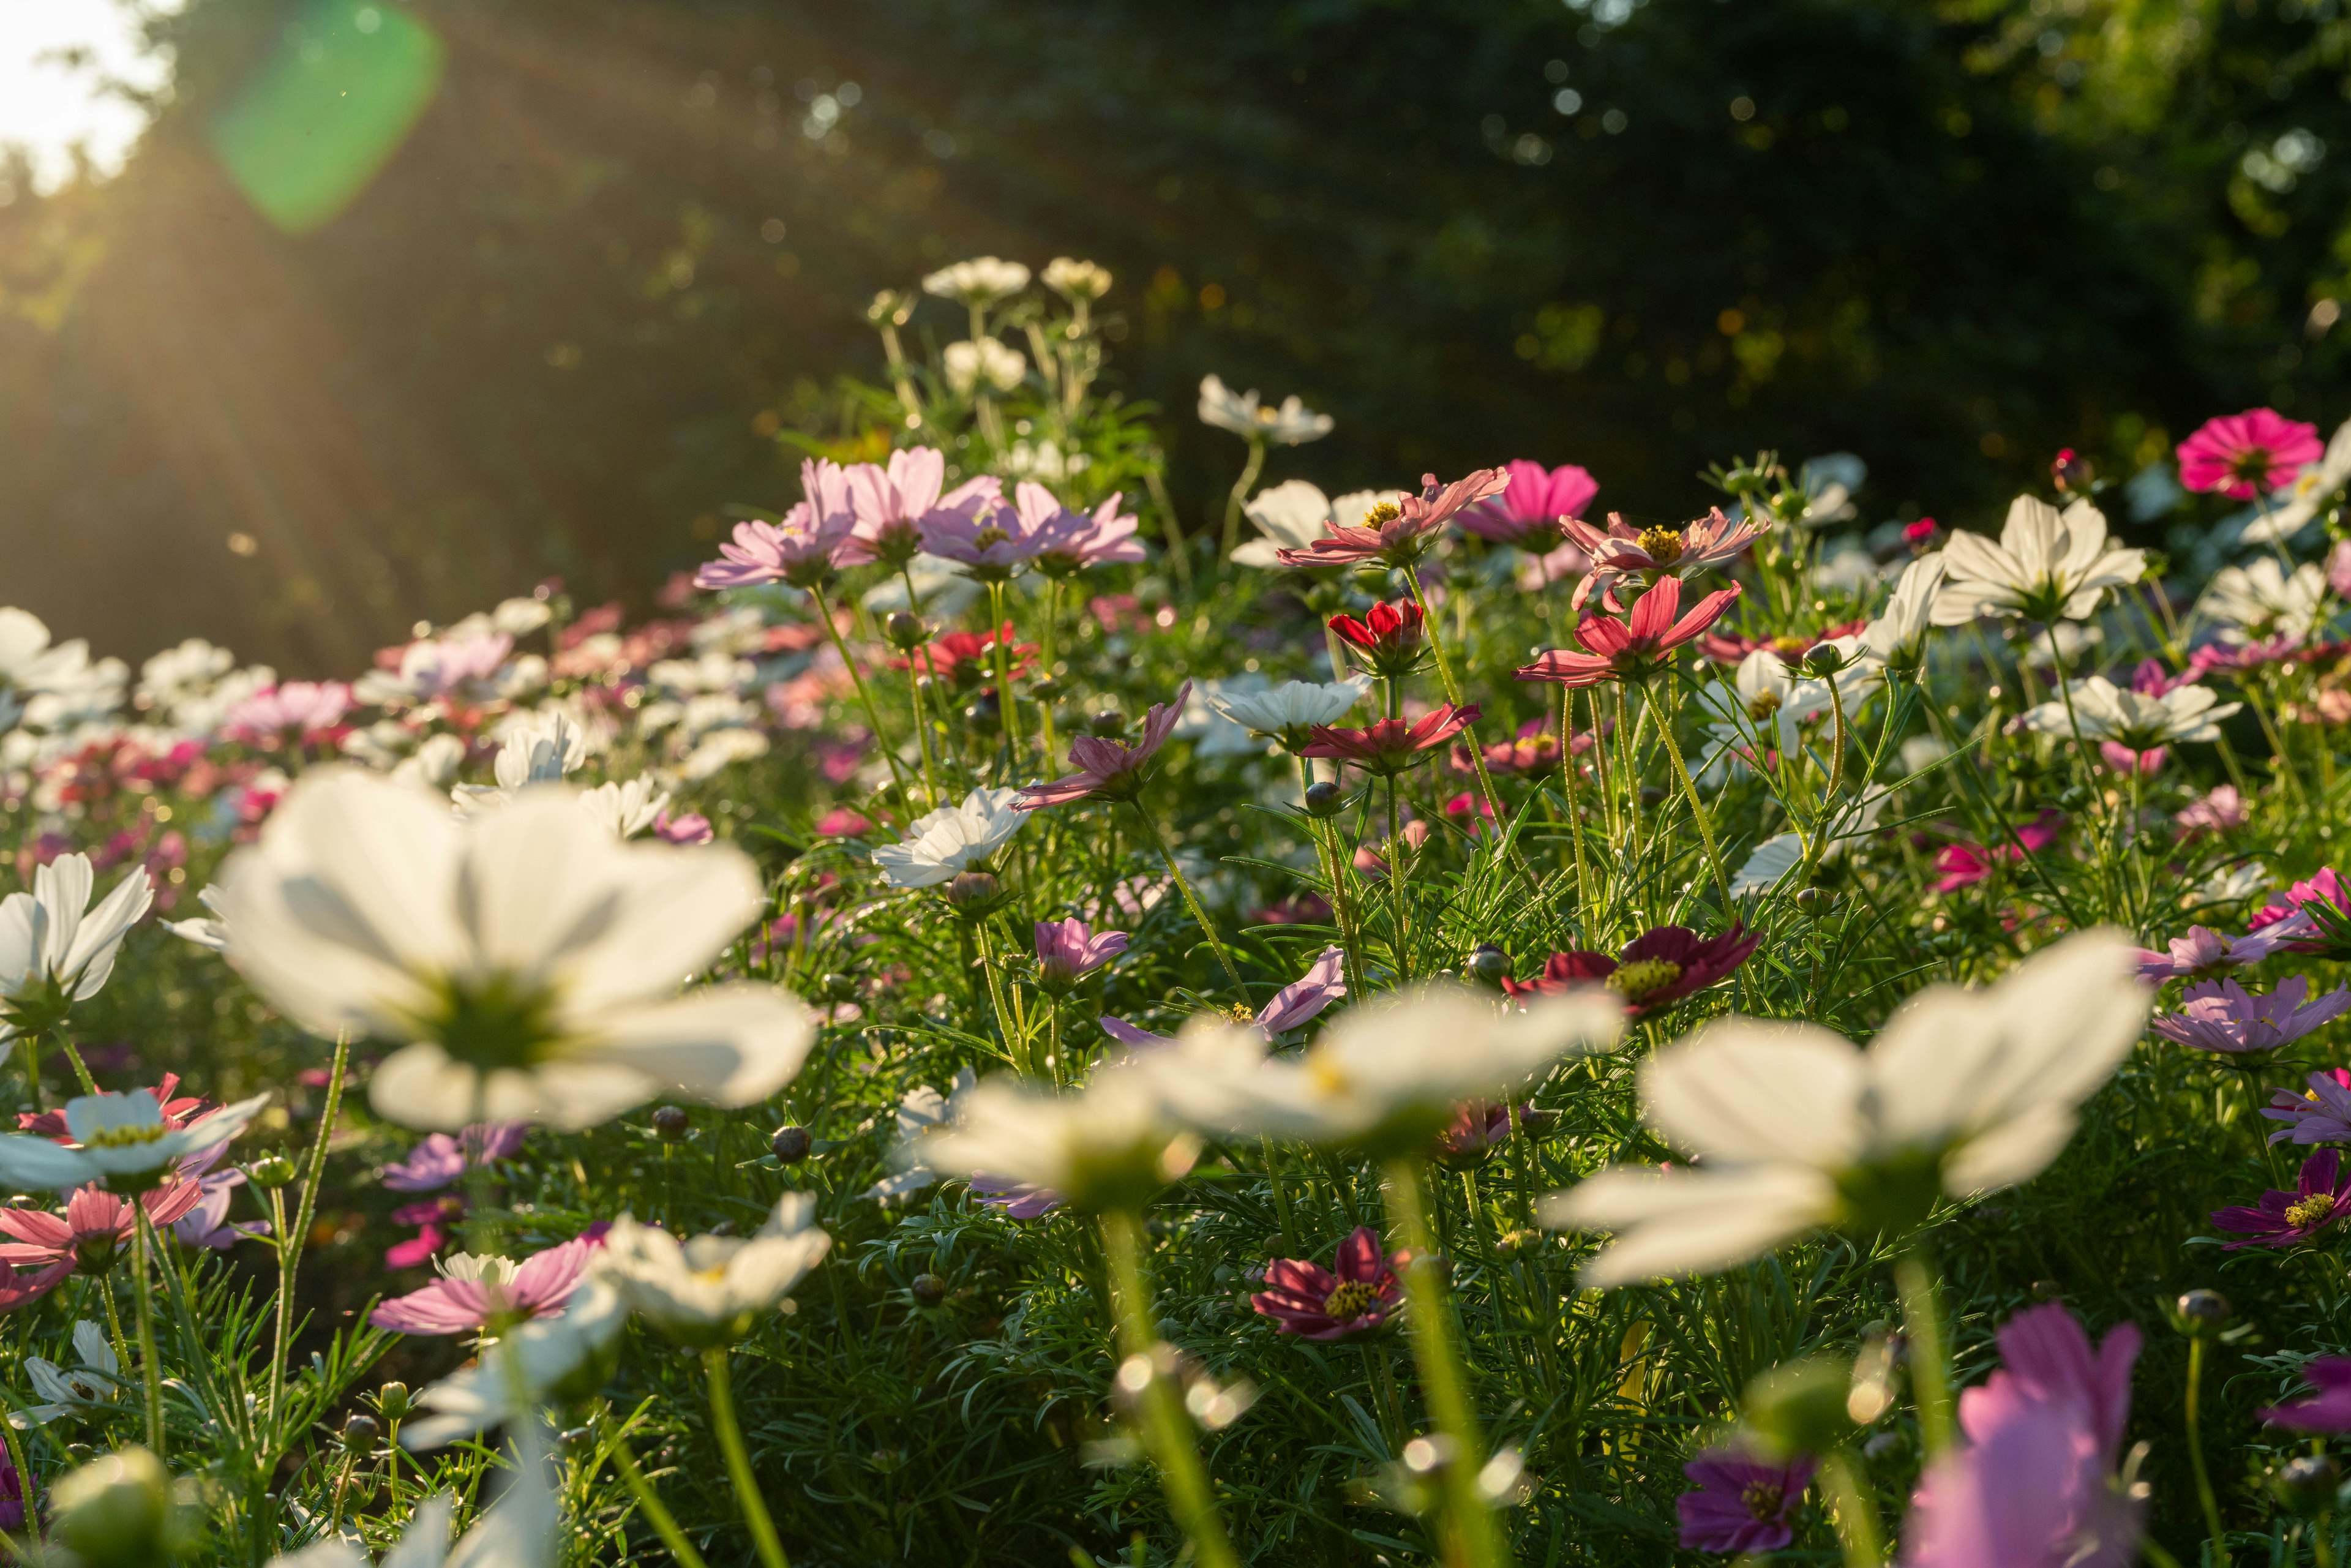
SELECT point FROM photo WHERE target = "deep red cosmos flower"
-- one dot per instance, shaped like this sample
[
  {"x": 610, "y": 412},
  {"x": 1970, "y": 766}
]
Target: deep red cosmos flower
[
  {"x": 1390, "y": 745},
  {"x": 2286, "y": 1218},
  {"x": 1360, "y": 1292},
  {"x": 1635, "y": 648},
  {"x": 1656, "y": 969},
  {"x": 968, "y": 658},
  {"x": 1387, "y": 639}
]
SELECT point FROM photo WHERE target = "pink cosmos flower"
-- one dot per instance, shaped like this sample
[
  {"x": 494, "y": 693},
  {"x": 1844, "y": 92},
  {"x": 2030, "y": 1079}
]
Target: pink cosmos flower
[
  {"x": 1359, "y": 1293},
  {"x": 1391, "y": 745},
  {"x": 841, "y": 823},
  {"x": 1965, "y": 865},
  {"x": 687, "y": 828},
  {"x": 2122, "y": 759},
  {"x": 434, "y": 1218},
  {"x": 1477, "y": 1130},
  {"x": 1533, "y": 506},
  {"x": 438, "y": 666},
  {"x": 1622, "y": 550},
  {"x": 2320, "y": 1115},
  {"x": 994, "y": 542},
  {"x": 1387, "y": 639},
  {"x": 2035, "y": 1487},
  {"x": 2290, "y": 910},
  {"x": 1108, "y": 769},
  {"x": 95, "y": 1230},
  {"x": 297, "y": 708},
  {"x": 1633, "y": 648},
  {"x": 2284, "y": 1219},
  {"x": 439, "y": 1159},
  {"x": 1729, "y": 648},
  {"x": 801, "y": 549},
  {"x": 2204, "y": 954},
  {"x": 1396, "y": 533},
  {"x": 1741, "y": 1503},
  {"x": 1301, "y": 1000},
  {"x": 2329, "y": 1410},
  {"x": 2221, "y": 1016},
  {"x": 891, "y": 504},
  {"x": 1656, "y": 969},
  {"x": 1068, "y": 951},
  {"x": 2216, "y": 813},
  {"x": 2243, "y": 454},
  {"x": 473, "y": 1291},
  {"x": 1075, "y": 539}
]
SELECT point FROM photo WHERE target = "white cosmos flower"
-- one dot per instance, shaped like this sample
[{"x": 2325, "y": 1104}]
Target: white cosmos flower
[
  {"x": 1385, "y": 1076},
  {"x": 1294, "y": 514},
  {"x": 624, "y": 810},
  {"x": 710, "y": 1289},
  {"x": 31, "y": 664},
  {"x": 1285, "y": 713},
  {"x": 1077, "y": 280},
  {"x": 542, "y": 750},
  {"x": 519, "y": 1531},
  {"x": 1898, "y": 635},
  {"x": 95, "y": 1385},
  {"x": 1110, "y": 1146},
  {"x": 54, "y": 949},
  {"x": 1244, "y": 414},
  {"x": 2108, "y": 712},
  {"x": 2047, "y": 564},
  {"x": 434, "y": 764},
  {"x": 1762, "y": 703},
  {"x": 975, "y": 360},
  {"x": 979, "y": 282},
  {"x": 520, "y": 617},
  {"x": 1778, "y": 855},
  {"x": 125, "y": 1142},
  {"x": 923, "y": 1109},
  {"x": 1793, "y": 1127},
  {"x": 940, "y": 844},
  {"x": 204, "y": 931},
  {"x": 528, "y": 965},
  {"x": 547, "y": 1358},
  {"x": 2259, "y": 602},
  {"x": 2291, "y": 509}
]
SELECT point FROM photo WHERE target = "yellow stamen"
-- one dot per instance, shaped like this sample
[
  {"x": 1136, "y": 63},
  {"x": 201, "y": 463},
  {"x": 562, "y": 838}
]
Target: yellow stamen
[
  {"x": 1381, "y": 515},
  {"x": 2317, "y": 1207},
  {"x": 1662, "y": 544},
  {"x": 1353, "y": 1299},
  {"x": 1644, "y": 977}
]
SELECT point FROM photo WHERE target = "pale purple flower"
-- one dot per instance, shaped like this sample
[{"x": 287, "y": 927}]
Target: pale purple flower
[
  {"x": 437, "y": 666},
  {"x": 439, "y": 1159},
  {"x": 1741, "y": 1502},
  {"x": 2205, "y": 954},
  {"x": 295, "y": 707},
  {"x": 890, "y": 504},
  {"x": 1293, "y": 1004},
  {"x": 1016, "y": 1199},
  {"x": 1077, "y": 539},
  {"x": 2329, "y": 1410},
  {"x": 2217, "y": 812},
  {"x": 1533, "y": 507},
  {"x": 2320, "y": 1115},
  {"x": 993, "y": 542},
  {"x": 1069, "y": 950},
  {"x": 1108, "y": 769},
  {"x": 801, "y": 549},
  {"x": 472, "y": 1291},
  {"x": 691, "y": 828},
  {"x": 2222, "y": 1016},
  {"x": 208, "y": 1224}
]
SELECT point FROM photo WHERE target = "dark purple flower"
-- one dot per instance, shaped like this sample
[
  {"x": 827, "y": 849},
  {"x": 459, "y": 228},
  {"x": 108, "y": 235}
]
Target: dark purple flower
[
  {"x": 2288, "y": 1218},
  {"x": 1358, "y": 1293},
  {"x": 2330, "y": 1409},
  {"x": 1109, "y": 769},
  {"x": 1477, "y": 1131},
  {"x": 1016, "y": 1199},
  {"x": 1656, "y": 969},
  {"x": 1741, "y": 1503}
]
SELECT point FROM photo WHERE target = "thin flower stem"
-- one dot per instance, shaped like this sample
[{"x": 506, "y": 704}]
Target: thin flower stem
[
  {"x": 73, "y": 1059},
  {"x": 2322, "y": 1537},
  {"x": 1397, "y": 875},
  {"x": 738, "y": 1459},
  {"x": 1931, "y": 1369},
  {"x": 1250, "y": 471},
  {"x": 1045, "y": 665},
  {"x": 151, "y": 1369},
  {"x": 1166, "y": 1429},
  {"x": 289, "y": 1242},
  {"x": 1191, "y": 901},
  {"x": 1429, "y": 1317},
  {"x": 1008, "y": 707},
  {"x": 25, "y": 1494},
  {"x": 1854, "y": 1514},
  {"x": 649, "y": 1502},
  {"x": 1453, "y": 696},
  {"x": 2216, "y": 1539},
  {"x": 1015, "y": 1044},
  {"x": 864, "y": 696},
  {"x": 1568, "y": 771},
  {"x": 1281, "y": 1198},
  {"x": 1697, "y": 806},
  {"x": 28, "y": 1049}
]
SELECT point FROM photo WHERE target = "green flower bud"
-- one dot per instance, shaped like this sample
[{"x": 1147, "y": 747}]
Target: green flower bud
[{"x": 116, "y": 1511}]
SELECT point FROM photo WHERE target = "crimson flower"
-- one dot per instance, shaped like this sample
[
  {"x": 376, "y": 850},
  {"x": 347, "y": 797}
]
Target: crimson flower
[
  {"x": 1387, "y": 639},
  {"x": 968, "y": 658},
  {"x": 1360, "y": 1292},
  {"x": 1656, "y": 969},
  {"x": 2281, "y": 1218},
  {"x": 472, "y": 1291},
  {"x": 1633, "y": 648},
  {"x": 1965, "y": 865},
  {"x": 1398, "y": 533},
  {"x": 1623, "y": 551},
  {"x": 86, "y": 1239},
  {"x": 2244, "y": 454},
  {"x": 1390, "y": 746},
  {"x": 1741, "y": 1503},
  {"x": 1108, "y": 769},
  {"x": 1533, "y": 507}
]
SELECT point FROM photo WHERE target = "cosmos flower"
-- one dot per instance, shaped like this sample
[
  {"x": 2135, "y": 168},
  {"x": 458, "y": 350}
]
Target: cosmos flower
[
  {"x": 2216, "y": 813},
  {"x": 624, "y": 809},
  {"x": 439, "y": 1159},
  {"x": 487, "y": 1291},
  {"x": 978, "y": 282},
  {"x": 2221, "y": 1016},
  {"x": 1293, "y": 514},
  {"x": 1656, "y": 969},
  {"x": 2290, "y": 907},
  {"x": 93, "y": 1387},
  {"x": 2245, "y": 454},
  {"x": 545, "y": 1358},
  {"x": 709, "y": 1290},
  {"x": 987, "y": 357},
  {"x": 991, "y": 545},
  {"x": 2204, "y": 954},
  {"x": 95, "y": 1228},
  {"x": 1763, "y": 700},
  {"x": 2293, "y": 508},
  {"x": 1478, "y": 1129},
  {"x": 1396, "y": 533},
  {"x": 2047, "y": 565},
  {"x": 2260, "y": 603},
  {"x": 1291, "y": 711},
  {"x": 1108, "y": 769},
  {"x": 942, "y": 844},
  {"x": 1076, "y": 281},
  {"x": 1965, "y": 865},
  {"x": 1297, "y": 1003},
  {"x": 1360, "y": 1293},
  {"x": 1243, "y": 413},
  {"x": 119, "y": 1142},
  {"x": 1068, "y": 951},
  {"x": 527, "y": 966},
  {"x": 519, "y": 1530},
  {"x": 968, "y": 658},
  {"x": 1898, "y": 635},
  {"x": 890, "y": 504},
  {"x": 177, "y": 1110},
  {"x": 1622, "y": 550},
  {"x": 1387, "y": 639},
  {"x": 2319, "y": 1114},
  {"x": 1741, "y": 1502},
  {"x": 1111, "y": 1146},
  {"x": 802, "y": 547},
  {"x": 1013, "y": 1199},
  {"x": 1076, "y": 540},
  {"x": 2284, "y": 1219},
  {"x": 2105, "y": 711},
  {"x": 2329, "y": 1410},
  {"x": 1961, "y": 1090},
  {"x": 1633, "y": 648},
  {"x": 208, "y": 1225},
  {"x": 55, "y": 948},
  {"x": 1389, "y": 745},
  {"x": 1532, "y": 509},
  {"x": 543, "y": 749},
  {"x": 298, "y": 709}
]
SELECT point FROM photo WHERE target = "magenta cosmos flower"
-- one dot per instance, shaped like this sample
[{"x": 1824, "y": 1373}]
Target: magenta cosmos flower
[
  {"x": 2319, "y": 1114},
  {"x": 1296, "y": 1003},
  {"x": 892, "y": 503},
  {"x": 473, "y": 1292},
  {"x": 2034, "y": 1488},
  {"x": 1076, "y": 540},
  {"x": 1656, "y": 969},
  {"x": 1633, "y": 648},
  {"x": 1068, "y": 951},
  {"x": 1741, "y": 1503},
  {"x": 1398, "y": 533},
  {"x": 1358, "y": 1293},
  {"x": 297, "y": 708},
  {"x": 801, "y": 549},
  {"x": 1108, "y": 769},
  {"x": 2282, "y": 1218},
  {"x": 2204, "y": 954},
  {"x": 2329, "y": 1408},
  {"x": 86, "y": 1239},
  {"x": 1623, "y": 551},
  {"x": 1965, "y": 865},
  {"x": 1387, "y": 639},
  {"x": 441, "y": 1159},
  {"x": 1391, "y": 745},
  {"x": 1477, "y": 1130},
  {"x": 2243, "y": 454},
  {"x": 2291, "y": 914},
  {"x": 2221, "y": 1016},
  {"x": 1532, "y": 509}
]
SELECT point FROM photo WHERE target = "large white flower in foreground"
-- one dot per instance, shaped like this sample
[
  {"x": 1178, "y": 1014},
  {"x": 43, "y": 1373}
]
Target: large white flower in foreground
[
  {"x": 939, "y": 844},
  {"x": 528, "y": 964},
  {"x": 126, "y": 1144},
  {"x": 2108, "y": 712},
  {"x": 710, "y": 1289},
  {"x": 1110, "y": 1146},
  {"x": 1386, "y": 1076},
  {"x": 54, "y": 949},
  {"x": 2260, "y": 602},
  {"x": 563, "y": 1357},
  {"x": 1793, "y": 1127},
  {"x": 2048, "y": 564}
]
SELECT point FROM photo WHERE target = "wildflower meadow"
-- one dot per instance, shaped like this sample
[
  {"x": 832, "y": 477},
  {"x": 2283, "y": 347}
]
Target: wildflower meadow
[{"x": 1010, "y": 1024}]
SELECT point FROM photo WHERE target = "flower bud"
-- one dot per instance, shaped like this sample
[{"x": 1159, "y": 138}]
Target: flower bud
[
  {"x": 2305, "y": 1485},
  {"x": 975, "y": 892},
  {"x": 836, "y": 988},
  {"x": 1800, "y": 1407},
  {"x": 670, "y": 1122},
  {"x": 115, "y": 1512},
  {"x": 271, "y": 1170},
  {"x": 904, "y": 631},
  {"x": 1487, "y": 964},
  {"x": 2201, "y": 1312},
  {"x": 1109, "y": 722},
  {"x": 791, "y": 1144},
  {"x": 1815, "y": 902},
  {"x": 929, "y": 1289},
  {"x": 1826, "y": 659},
  {"x": 394, "y": 1402},
  {"x": 983, "y": 713},
  {"x": 360, "y": 1434},
  {"x": 1325, "y": 798}
]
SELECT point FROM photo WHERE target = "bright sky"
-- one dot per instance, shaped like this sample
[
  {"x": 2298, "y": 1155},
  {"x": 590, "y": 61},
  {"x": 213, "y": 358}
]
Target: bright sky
[{"x": 49, "y": 106}]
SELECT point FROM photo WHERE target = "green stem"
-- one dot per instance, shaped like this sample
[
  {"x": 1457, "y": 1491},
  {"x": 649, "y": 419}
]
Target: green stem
[
  {"x": 1281, "y": 1198},
  {"x": 28, "y": 1048},
  {"x": 1855, "y": 1515},
  {"x": 1397, "y": 853},
  {"x": 1568, "y": 784},
  {"x": 864, "y": 696},
  {"x": 1007, "y": 707},
  {"x": 73, "y": 1059},
  {"x": 1250, "y": 471},
  {"x": 1690, "y": 792},
  {"x": 1191, "y": 901},
  {"x": 648, "y": 1502},
  {"x": 1931, "y": 1369},
  {"x": 2217, "y": 1540},
  {"x": 1165, "y": 1430},
  {"x": 1453, "y": 695},
  {"x": 1045, "y": 665},
  {"x": 151, "y": 1369},
  {"x": 738, "y": 1459},
  {"x": 1478, "y": 1540}
]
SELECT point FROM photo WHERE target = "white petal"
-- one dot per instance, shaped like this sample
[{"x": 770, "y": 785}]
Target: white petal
[
  {"x": 2015, "y": 1151},
  {"x": 36, "y": 1162},
  {"x": 1745, "y": 1091},
  {"x": 1686, "y": 1222},
  {"x": 730, "y": 1045}
]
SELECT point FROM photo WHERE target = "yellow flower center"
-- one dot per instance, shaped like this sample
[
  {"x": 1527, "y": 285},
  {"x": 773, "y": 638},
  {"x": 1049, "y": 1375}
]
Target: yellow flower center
[
  {"x": 1381, "y": 515},
  {"x": 1644, "y": 977},
  {"x": 1662, "y": 544},
  {"x": 1353, "y": 1299},
  {"x": 2310, "y": 1210},
  {"x": 988, "y": 537},
  {"x": 1763, "y": 706},
  {"x": 1763, "y": 1500},
  {"x": 123, "y": 1137},
  {"x": 1240, "y": 1012}
]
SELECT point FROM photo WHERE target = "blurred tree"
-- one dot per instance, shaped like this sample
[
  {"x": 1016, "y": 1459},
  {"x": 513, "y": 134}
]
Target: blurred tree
[{"x": 627, "y": 242}]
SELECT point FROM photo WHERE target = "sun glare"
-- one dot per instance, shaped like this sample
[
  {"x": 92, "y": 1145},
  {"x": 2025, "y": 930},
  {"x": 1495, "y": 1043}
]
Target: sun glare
[{"x": 61, "y": 62}]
